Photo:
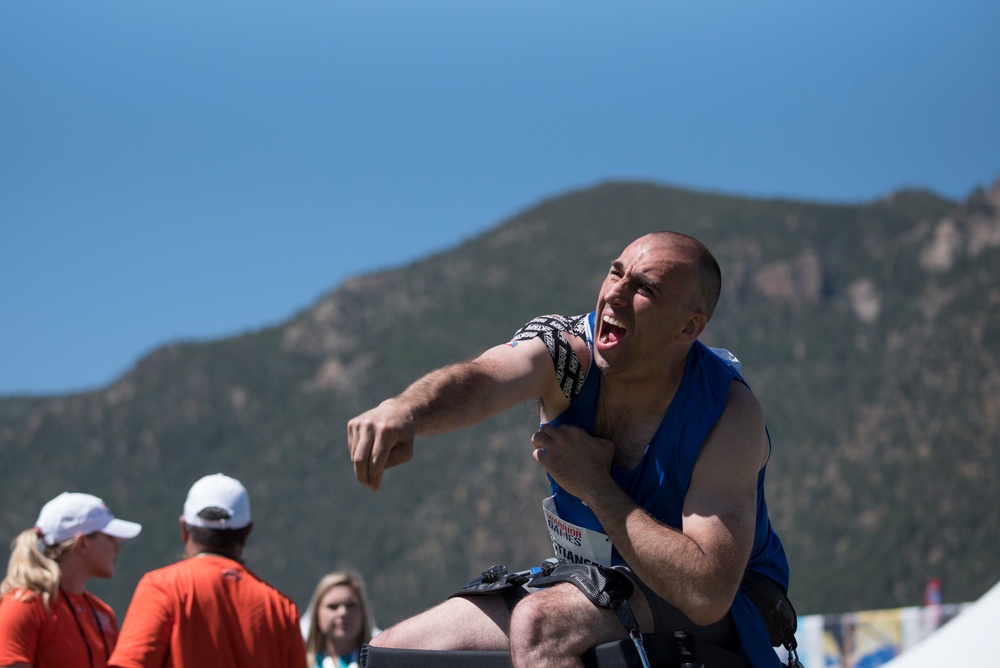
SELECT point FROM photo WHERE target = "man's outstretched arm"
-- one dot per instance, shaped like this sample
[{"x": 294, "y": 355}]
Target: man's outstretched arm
[{"x": 453, "y": 397}]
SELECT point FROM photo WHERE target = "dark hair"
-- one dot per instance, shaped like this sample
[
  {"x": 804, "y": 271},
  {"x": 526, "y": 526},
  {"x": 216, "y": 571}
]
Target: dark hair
[
  {"x": 217, "y": 540},
  {"x": 711, "y": 278}
]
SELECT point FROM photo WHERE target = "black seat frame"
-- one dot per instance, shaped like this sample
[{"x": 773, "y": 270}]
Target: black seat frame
[{"x": 665, "y": 650}]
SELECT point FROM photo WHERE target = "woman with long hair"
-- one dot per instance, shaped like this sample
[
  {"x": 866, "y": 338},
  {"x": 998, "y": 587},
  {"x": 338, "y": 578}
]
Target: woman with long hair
[
  {"x": 47, "y": 618},
  {"x": 340, "y": 621}
]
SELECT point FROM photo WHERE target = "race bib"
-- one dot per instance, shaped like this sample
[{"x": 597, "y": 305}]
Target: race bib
[{"x": 573, "y": 543}]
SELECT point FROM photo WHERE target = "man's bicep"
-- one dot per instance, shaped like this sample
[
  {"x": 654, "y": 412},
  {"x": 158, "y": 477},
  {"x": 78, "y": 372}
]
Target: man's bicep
[
  {"x": 522, "y": 370},
  {"x": 721, "y": 504}
]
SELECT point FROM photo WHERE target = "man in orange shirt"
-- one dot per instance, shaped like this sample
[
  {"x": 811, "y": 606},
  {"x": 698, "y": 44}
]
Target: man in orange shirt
[{"x": 209, "y": 610}]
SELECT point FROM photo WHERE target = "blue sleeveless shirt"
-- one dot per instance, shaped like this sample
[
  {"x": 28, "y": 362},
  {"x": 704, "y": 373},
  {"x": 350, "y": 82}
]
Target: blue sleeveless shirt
[{"x": 660, "y": 481}]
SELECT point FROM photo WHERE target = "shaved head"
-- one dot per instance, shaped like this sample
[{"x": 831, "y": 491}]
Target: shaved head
[{"x": 704, "y": 267}]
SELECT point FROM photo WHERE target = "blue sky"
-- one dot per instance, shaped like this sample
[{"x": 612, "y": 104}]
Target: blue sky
[{"x": 192, "y": 170}]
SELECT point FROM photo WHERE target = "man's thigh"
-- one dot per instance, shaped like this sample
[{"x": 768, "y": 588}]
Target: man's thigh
[{"x": 466, "y": 623}]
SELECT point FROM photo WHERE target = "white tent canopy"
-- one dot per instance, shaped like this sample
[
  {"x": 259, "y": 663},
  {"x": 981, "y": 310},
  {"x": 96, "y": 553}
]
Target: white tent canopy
[{"x": 965, "y": 640}]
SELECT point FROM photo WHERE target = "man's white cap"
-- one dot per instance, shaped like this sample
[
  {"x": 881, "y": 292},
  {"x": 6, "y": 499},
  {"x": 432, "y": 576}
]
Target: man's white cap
[
  {"x": 72, "y": 513},
  {"x": 222, "y": 492}
]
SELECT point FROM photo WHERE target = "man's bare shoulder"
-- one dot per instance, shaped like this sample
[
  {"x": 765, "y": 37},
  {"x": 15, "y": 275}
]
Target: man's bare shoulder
[
  {"x": 742, "y": 403},
  {"x": 739, "y": 436}
]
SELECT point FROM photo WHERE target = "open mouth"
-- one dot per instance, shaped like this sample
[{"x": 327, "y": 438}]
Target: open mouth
[{"x": 612, "y": 329}]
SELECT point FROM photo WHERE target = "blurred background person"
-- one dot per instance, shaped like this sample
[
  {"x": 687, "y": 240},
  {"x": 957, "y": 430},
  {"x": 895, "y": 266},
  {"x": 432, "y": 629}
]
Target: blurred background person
[
  {"x": 209, "y": 610},
  {"x": 339, "y": 621},
  {"x": 47, "y": 618}
]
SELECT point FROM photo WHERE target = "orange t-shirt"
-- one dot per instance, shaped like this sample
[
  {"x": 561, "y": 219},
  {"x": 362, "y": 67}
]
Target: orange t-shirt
[
  {"x": 79, "y": 631},
  {"x": 208, "y": 611}
]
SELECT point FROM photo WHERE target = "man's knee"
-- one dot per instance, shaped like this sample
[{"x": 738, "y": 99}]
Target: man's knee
[
  {"x": 532, "y": 621},
  {"x": 558, "y": 620}
]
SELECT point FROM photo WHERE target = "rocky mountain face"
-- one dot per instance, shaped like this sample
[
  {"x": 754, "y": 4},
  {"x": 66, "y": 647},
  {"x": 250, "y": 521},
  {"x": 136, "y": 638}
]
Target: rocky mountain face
[{"x": 869, "y": 332}]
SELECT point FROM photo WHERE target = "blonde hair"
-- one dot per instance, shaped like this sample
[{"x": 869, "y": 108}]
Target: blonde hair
[
  {"x": 314, "y": 639},
  {"x": 33, "y": 568}
]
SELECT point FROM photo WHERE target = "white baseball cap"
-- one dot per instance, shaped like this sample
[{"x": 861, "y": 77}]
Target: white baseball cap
[
  {"x": 222, "y": 492},
  {"x": 73, "y": 513}
]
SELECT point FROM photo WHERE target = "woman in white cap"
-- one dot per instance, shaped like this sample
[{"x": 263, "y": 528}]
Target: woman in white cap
[{"x": 47, "y": 618}]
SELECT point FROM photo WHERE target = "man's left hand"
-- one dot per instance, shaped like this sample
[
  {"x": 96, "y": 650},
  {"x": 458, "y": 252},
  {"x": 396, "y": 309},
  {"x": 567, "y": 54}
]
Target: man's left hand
[{"x": 579, "y": 462}]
